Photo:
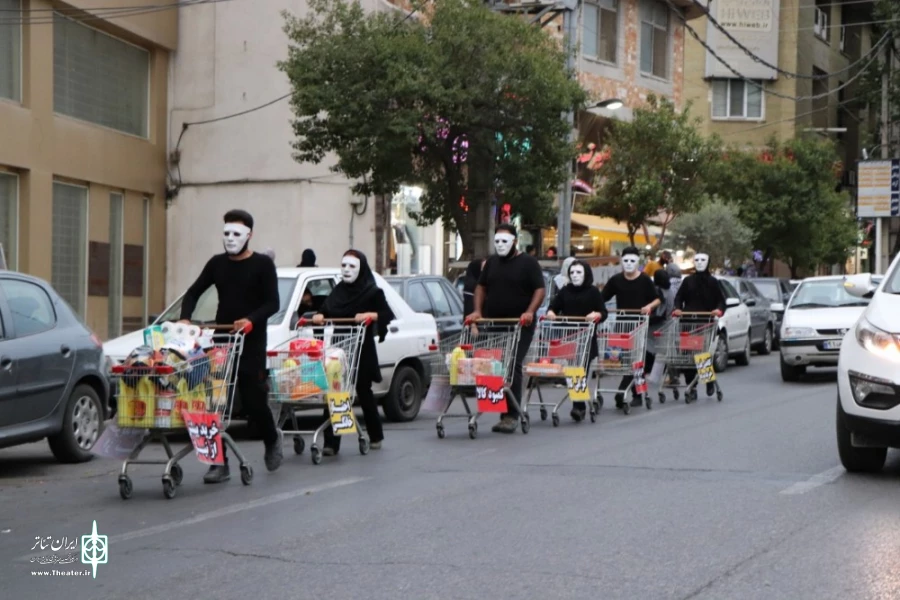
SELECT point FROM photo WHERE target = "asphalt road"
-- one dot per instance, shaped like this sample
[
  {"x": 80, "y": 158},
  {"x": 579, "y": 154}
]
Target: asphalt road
[{"x": 743, "y": 499}]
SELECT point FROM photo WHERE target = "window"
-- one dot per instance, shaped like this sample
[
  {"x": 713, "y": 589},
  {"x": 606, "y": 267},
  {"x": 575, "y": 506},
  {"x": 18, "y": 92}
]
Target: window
[
  {"x": 100, "y": 79},
  {"x": 69, "y": 244},
  {"x": 841, "y": 108},
  {"x": 30, "y": 306},
  {"x": 600, "y": 29},
  {"x": 439, "y": 297},
  {"x": 11, "y": 51},
  {"x": 655, "y": 39},
  {"x": 736, "y": 99},
  {"x": 116, "y": 249},
  {"x": 770, "y": 290},
  {"x": 820, "y": 20},
  {"x": 9, "y": 217},
  {"x": 453, "y": 297},
  {"x": 820, "y": 102},
  {"x": 728, "y": 289},
  {"x": 418, "y": 298}
]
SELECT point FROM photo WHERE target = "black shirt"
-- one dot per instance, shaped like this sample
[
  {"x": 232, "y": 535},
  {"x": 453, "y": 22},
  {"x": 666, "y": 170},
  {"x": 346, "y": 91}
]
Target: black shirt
[
  {"x": 510, "y": 284},
  {"x": 632, "y": 294},
  {"x": 248, "y": 289},
  {"x": 572, "y": 302},
  {"x": 700, "y": 293}
]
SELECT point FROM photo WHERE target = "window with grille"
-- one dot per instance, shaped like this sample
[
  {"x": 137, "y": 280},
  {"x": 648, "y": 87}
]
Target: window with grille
[
  {"x": 99, "y": 78},
  {"x": 737, "y": 99},
  {"x": 69, "y": 244},
  {"x": 655, "y": 39},
  {"x": 821, "y": 17},
  {"x": 9, "y": 217},
  {"x": 11, "y": 50},
  {"x": 600, "y": 29},
  {"x": 116, "y": 249}
]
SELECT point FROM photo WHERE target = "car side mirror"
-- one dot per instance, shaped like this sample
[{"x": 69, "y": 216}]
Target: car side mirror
[
  {"x": 732, "y": 302},
  {"x": 860, "y": 286},
  {"x": 750, "y": 301}
]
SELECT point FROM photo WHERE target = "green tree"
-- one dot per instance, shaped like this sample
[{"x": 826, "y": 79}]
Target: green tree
[
  {"x": 656, "y": 168},
  {"x": 466, "y": 103},
  {"x": 786, "y": 195},
  {"x": 717, "y": 230}
]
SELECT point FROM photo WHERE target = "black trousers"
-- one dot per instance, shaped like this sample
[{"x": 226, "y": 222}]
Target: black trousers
[
  {"x": 649, "y": 361},
  {"x": 253, "y": 386},
  {"x": 370, "y": 414},
  {"x": 525, "y": 337}
]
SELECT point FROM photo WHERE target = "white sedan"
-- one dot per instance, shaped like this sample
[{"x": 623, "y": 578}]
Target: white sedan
[{"x": 820, "y": 312}]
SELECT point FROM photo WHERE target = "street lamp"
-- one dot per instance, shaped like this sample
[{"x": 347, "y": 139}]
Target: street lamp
[{"x": 564, "y": 216}]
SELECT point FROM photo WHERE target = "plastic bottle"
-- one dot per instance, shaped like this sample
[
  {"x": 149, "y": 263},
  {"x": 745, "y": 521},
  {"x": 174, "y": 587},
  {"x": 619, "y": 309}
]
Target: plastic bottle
[
  {"x": 455, "y": 357},
  {"x": 333, "y": 372}
]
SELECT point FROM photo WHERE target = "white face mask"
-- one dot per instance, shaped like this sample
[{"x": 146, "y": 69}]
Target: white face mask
[
  {"x": 576, "y": 275},
  {"x": 504, "y": 242},
  {"x": 350, "y": 269},
  {"x": 629, "y": 263},
  {"x": 701, "y": 262},
  {"x": 236, "y": 236}
]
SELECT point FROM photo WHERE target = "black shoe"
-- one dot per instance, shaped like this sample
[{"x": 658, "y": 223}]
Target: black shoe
[
  {"x": 620, "y": 400},
  {"x": 711, "y": 389},
  {"x": 275, "y": 453},
  {"x": 506, "y": 425},
  {"x": 578, "y": 414},
  {"x": 636, "y": 402},
  {"x": 217, "y": 474}
]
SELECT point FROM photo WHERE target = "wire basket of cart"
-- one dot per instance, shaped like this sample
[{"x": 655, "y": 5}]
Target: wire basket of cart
[
  {"x": 182, "y": 378},
  {"x": 482, "y": 366},
  {"x": 688, "y": 342},
  {"x": 317, "y": 370},
  {"x": 560, "y": 353},
  {"x": 622, "y": 346}
]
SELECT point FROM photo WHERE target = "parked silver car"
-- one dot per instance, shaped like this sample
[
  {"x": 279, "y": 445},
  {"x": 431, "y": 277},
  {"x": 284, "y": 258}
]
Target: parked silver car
[{"x": 53, "y": 381}]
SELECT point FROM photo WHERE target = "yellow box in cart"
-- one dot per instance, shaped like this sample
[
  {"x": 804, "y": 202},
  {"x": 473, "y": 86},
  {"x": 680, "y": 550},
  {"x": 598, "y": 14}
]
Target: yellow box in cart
[{"x": 137, "y": 405}]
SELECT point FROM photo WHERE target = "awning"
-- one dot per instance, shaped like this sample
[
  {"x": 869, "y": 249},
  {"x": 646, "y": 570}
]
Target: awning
[{"x": 596, "y": 223}]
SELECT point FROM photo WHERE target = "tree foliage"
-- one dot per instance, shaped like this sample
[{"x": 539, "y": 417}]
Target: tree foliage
[
  {"x": 715, "y": 229},
  {"x": 656, "y": 167},
  {"x": 467, "y": 104},
  {"x": 787, "y": 196}
]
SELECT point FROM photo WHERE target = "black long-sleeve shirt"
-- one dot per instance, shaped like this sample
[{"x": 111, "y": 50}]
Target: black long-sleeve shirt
[
  {"x": 700, "y": 293},
  {"x": 248, "y": 289},
  {"x": 630, "y": 294}
]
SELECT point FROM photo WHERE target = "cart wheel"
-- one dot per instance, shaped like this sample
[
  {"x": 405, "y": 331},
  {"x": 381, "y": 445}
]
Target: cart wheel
[
  {"x": 316, "y": 455},
  {"x": 662, "y": 398},
  {"x": 363, "y": 446},
  {"x": 473, "y": 430},
  {"x": 555, "y": 420},
  {"x": 125, "y": 487},
  {"x": 440, "y": 430},
  {"x": 526, "y": 423},
  {"x": 168, "y": 487},
  {"x": 246, "y": 474},
  {"x": 177, "y": 474},
  {"x": 626, "y": 407},
  {"x": 720, "y": 395},
  {"x": 648, "y": 402},
  {"x": 543, "y": 414},
  {"x": 676, "y": 394},
  {"x": 299, "y": 445}
]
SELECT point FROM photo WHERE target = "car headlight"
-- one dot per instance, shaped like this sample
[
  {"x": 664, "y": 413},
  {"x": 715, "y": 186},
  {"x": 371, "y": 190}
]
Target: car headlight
[
  {"x": 798, "y": 332},
  {"x": 877, "y": 341}
]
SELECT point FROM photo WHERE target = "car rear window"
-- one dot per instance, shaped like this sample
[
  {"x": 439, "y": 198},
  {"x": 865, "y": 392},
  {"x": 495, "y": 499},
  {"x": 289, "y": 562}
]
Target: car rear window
[{"x": 769, "y": 289}]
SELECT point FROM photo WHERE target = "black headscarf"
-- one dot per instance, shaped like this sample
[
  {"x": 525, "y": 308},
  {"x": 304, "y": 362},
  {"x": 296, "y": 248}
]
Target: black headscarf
[
  {"x": 363, "y": 295},
  {"x": 588, "y": 279},
  {"x": 308, "y": 259}
]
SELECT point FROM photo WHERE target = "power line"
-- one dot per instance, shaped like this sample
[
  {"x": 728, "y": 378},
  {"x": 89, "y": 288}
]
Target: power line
[
  {"x": 840, "y": 105},
  {"x": 887, "y": 21},
  {"x": 765, "y": 63},
  {"x": 98, "y": 14}
]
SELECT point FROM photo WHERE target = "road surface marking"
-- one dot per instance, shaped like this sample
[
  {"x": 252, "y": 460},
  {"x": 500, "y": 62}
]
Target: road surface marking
[
  {"x": 823, "y": 478},
  {"x": 225, "y": 511}
]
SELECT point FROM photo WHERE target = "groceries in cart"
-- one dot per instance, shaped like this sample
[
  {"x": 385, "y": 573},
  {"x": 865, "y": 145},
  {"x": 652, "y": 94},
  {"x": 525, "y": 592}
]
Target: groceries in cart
[
  {"x": 307, "y": 370},
  {"x": 464, "y": 369}
]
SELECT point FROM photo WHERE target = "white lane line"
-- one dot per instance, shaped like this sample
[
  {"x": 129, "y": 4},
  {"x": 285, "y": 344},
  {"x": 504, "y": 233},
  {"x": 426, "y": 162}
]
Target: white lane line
[
  {"x": 823, "y": 478},
  {"x": 225, "y": 511}
]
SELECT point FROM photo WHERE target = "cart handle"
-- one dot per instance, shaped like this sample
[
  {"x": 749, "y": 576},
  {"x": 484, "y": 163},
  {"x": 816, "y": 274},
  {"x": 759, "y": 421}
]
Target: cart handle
[
  {"x": 569, "y": 319},
  {"x": 629, "y": 311},
  {"x": 228, "y": 327},
  {"x": 699, "y": 314},
  {"x": 347, "y": 321},
  {"x": 501, "y": 321}
]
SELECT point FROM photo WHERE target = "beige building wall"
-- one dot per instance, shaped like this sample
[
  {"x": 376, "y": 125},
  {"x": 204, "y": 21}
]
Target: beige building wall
[{"x": 41, "y": 146}]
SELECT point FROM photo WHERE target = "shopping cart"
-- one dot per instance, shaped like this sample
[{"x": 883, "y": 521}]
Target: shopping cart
[
  {"x": 561, "y": 346},
  {"x": 318, "y": 360},
  {"x": 487, "y": 347},
  {"x": 153, "y": 394},
  {"x": 681, "y": 339},
  {"x": 621, "y": 344}
]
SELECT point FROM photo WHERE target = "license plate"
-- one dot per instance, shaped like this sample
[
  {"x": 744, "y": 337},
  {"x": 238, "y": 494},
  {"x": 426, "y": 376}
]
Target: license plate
[{"x": 832, "y": 345}]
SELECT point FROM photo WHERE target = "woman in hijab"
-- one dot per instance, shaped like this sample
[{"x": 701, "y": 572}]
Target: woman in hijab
[
  {"x": 579, "y": 298},
  {"x": 308, "y": 259},
  {"x": 470, "y": 282},
  {"x": 358, "y": 297},
  {"x": 562, "y": 279}
]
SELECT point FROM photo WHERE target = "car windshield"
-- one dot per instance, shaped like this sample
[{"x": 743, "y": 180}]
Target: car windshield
[
  {"x": 769, "y": 289},
  {"x": 205, "y": 312},
  {"x": 824, "y": 294}
]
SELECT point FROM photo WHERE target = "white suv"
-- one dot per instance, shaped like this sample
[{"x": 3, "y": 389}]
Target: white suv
[
  {"x": 868, "y": 407},
  {"x": 404, "y": 355}
]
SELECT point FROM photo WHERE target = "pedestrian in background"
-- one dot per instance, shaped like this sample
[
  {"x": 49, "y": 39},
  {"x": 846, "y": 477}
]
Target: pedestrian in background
[
  {"x": 664, "y": 259},
  {"x": 308, "y": 259},
  {"x": 470, "y": 282},
  {"x": 357, "y": 296}
]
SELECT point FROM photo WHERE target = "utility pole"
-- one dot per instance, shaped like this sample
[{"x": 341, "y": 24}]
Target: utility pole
[
  {"x": 564, "y": 215},
  {"x": 885, "y": 150}
]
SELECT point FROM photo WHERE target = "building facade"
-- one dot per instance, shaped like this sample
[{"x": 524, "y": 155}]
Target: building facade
[{"x": 83, "y": 97}]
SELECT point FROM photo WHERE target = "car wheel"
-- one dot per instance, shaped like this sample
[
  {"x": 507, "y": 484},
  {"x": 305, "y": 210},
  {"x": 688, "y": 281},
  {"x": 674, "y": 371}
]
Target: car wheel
[
  {"x": 82, "y": 424},
  {"x": 743, "y": 359},
  {"x": 765, "y": 348},
  {"x": 856, "y": 460},
  {"x": 791, "y": 373},
  {"x": 405, "y": 396},
  {"x": 720, "y": 360}
]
